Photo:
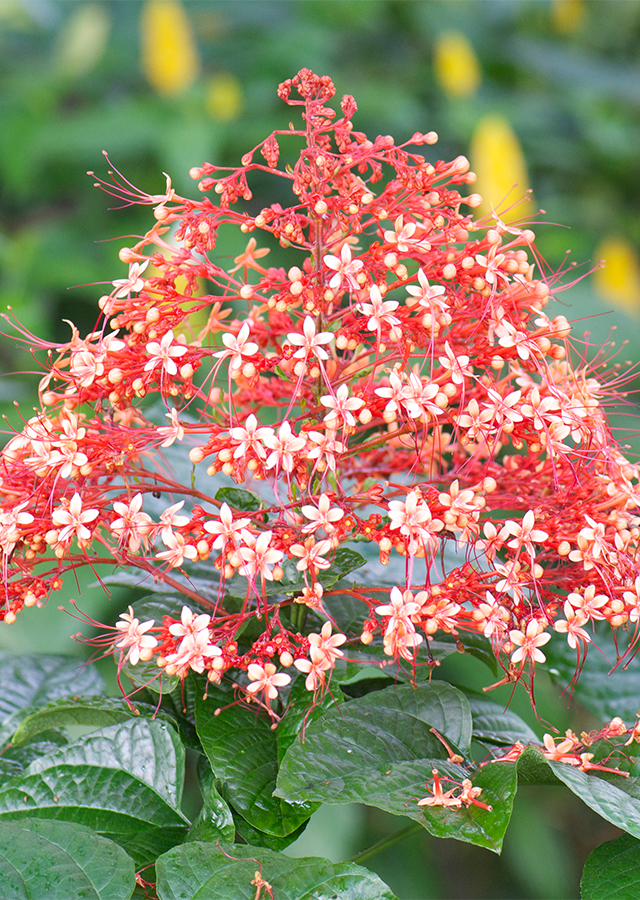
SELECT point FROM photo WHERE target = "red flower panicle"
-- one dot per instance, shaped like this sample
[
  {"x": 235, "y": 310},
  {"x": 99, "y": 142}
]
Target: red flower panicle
[{"x": 399, "y": 382}]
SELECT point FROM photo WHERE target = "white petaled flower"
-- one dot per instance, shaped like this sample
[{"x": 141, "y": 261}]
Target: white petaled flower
[
  {"x": 173, "y": 432},
  {"x": 426, "y": 294},
  {"x": 237, "y": 347},
  {"x": 322, "y": 516},
  {"x": 403, "y": 236},
  {"x": 170, "y": 519},
  {"x": 283, "y": 445},
  {"x": 226, "y": 529},
  {"x": 134, "y": 636},
  {"x": 250, "y": 436},
  {"x": 309, "y": 342},
  {"x": 134, "y": 283},
  {"x": 312, "y": 557},
  {"x": 324, "y": 646},
  {"x": 264, "y": 678},
  {"x": 164, "y": 354},
  {"x": 379, "y": 310},
  {"x": 342, "y": 406},
  {"x": 73, "y": 520},
  {"x": 132, "y": 525},
  {"x": 258, "y": 556},
  {"x": 344, "y": 267},
  {"x": 177, "y": 550},
  {"x": 528, "y": 642}
]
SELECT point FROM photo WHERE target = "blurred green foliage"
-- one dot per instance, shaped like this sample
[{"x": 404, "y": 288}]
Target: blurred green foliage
[{"x": 565, "y": 75}]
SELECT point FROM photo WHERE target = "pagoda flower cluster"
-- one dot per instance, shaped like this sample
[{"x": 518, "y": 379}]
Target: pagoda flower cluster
[{"x": 400, "y": 382}]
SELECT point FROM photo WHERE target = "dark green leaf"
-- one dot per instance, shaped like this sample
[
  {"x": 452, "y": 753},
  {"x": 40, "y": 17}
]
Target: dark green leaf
[
  {"x": 612, "y": 871},
  {"x": 301, "y": 713},
  {"x": 345, "y": 561},
  {"x": 243, "y": 751},
  {"x": 496, "y": 725},
  {"x": 262, "y": 838},
  {"x": 35, "y": 680},
  {"x": 379, "y": 749},
  {"x": 124, "y": 778},
  {"x": 615, "y": 798},
  {"x": 604, "y": 692},
  {"x": 483, "y": 827},
  {"x": 214, "y": 821},
  {"x": 206, "y": 872},
  {"x": 45, "y": 860},
  {"x": 98, "y": 711},
  {"x": 243, "y": 501}
]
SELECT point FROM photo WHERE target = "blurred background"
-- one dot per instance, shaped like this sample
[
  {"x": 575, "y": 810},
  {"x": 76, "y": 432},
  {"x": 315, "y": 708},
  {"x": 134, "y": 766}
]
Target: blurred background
[{"x": 542, "y": 94}]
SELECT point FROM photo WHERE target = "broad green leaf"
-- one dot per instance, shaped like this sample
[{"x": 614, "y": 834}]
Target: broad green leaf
[
  {"x": 604, "y": 692},
  {"x": 243, "y": 751},
  {"x": 47, "y": 860},
  {"x": 475, "y": 825},
  {"x": 48, "y": 742},
  {"x": 98, "y": 711},
  {"x": 35, "y": 680},
  {"x": 207, "y": 872},
  {"x": 302, "y": 711},
  {"x": 262, "y": 838},
  {"x": 493, "y": 724},
  {"x": 346, "y": 560},
  {"x": 214, "y": 821},
  {"x": 145, "y": 846},
  {"x": 379, "y": 749},
  {"x": 243, "y": 501},
  {"x": 122, "y": 779},
  {"x": 615, "y": 798},
  {"x": 533, "y": 768},
  {"x": 612, "y": 871}
]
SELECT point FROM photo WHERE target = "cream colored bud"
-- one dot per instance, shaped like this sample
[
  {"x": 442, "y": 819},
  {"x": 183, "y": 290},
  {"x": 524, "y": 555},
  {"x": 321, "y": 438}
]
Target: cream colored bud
[
  {"x": 364, "y": 416},
  {"x": 246, "y": 291},
  {"x": 186, "y": 371},
  {"x": 366, "y": 637},
  {"x": 286, "y": 659},
  {"x": 564, "y": 548},
  {"x": 320, "y": 208},
  {"x": 294, "y": 274},
  {"x": 449, "y": 271}
]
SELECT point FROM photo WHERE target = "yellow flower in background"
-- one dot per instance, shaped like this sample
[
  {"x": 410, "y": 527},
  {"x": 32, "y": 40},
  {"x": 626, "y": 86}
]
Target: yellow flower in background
[
  {"x": 224, "y": 100},
  {"x": 169, "y": 53},
  {"x": 618, "y": 281},
  {"x": 498, "y": 161},
  {"x": 567, "y": 15},
  {"x": 82, "y": 41},
  {"x": 456, "y": 65}
]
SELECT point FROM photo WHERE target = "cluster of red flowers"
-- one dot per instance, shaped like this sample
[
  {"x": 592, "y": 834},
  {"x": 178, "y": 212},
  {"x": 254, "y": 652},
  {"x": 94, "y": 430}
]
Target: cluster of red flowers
[{"x": 399, "y": 383}]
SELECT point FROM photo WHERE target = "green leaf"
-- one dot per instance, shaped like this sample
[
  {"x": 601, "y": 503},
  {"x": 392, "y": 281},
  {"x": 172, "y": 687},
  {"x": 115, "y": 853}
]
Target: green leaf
[
  {"x": 32, "y": 681},
  {"x": 243, "y": 751},
  {"x": 214, "y": 821},
  {"x": 615, "y": 798},
  {"x": 98, "y": 711},
  {"x": 262, "y": 838},
  {"x": 45, "y": 860},
  {"x": 475, "y": 825},
  {"x": 612, "y": 871},
  {"x": 603, "y": 692},
  {"x": 197, "y": 870},
  {"x": 243, "y": 501},
  {"x": 122, "y": 779},
  {"x": 493, "y": 724},
  {"x": 345, "y": 561},
  {"x": 378, "y": 749}
]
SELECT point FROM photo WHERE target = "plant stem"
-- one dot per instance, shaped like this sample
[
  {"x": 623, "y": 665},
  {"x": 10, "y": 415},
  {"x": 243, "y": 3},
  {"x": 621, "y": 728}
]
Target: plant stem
[{"x": 386, "y": 842}]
